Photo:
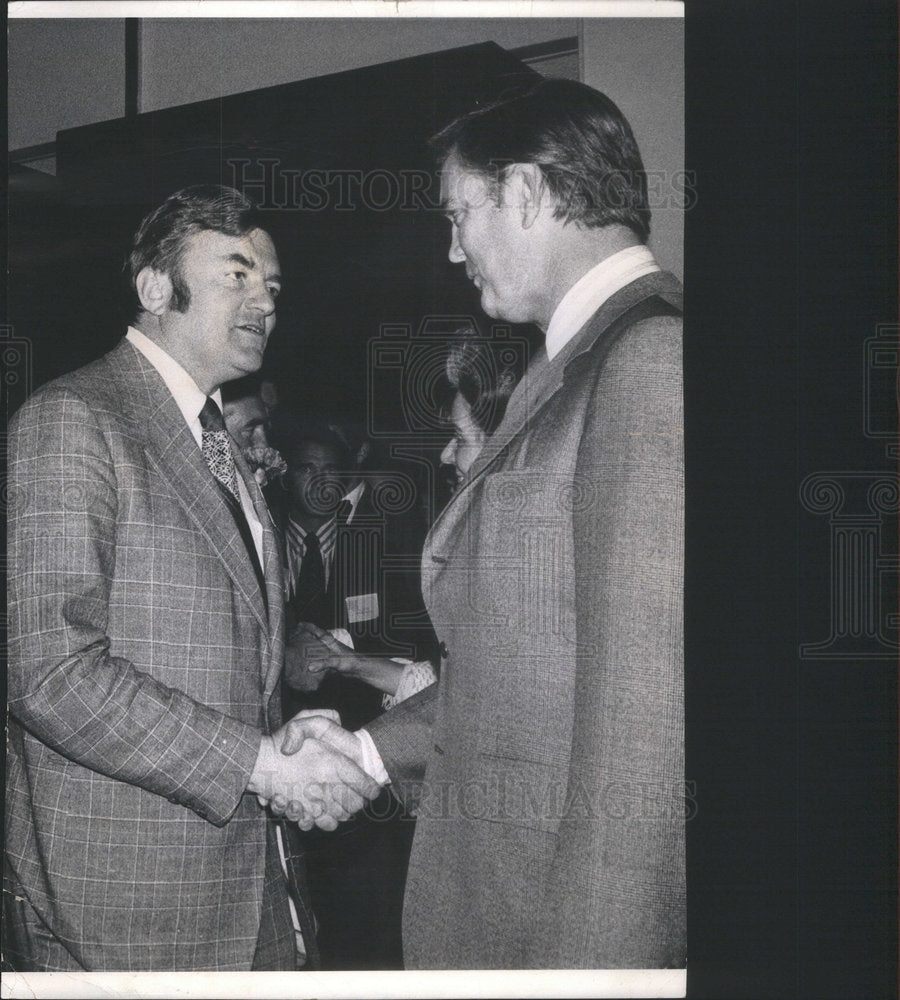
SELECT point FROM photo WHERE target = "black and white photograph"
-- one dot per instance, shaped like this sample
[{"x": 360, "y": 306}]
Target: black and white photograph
[{"x": 409, "y": 593}]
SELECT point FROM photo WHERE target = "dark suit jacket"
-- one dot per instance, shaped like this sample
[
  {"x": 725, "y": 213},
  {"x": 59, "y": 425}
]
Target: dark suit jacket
[
  {"x": 550, "y": 830},
  {"x": 356, "y": 874},
  {"x": 379, "y": 553},
  {"x": 374, "y": 592},
  {"x": 142, "y": 667}
]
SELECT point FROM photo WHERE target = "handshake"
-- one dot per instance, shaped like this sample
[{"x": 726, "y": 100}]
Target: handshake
[{"x": 311, "y": 772}]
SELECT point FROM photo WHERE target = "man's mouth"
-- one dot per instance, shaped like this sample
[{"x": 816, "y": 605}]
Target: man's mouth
[{"x": 256, "y": 328}]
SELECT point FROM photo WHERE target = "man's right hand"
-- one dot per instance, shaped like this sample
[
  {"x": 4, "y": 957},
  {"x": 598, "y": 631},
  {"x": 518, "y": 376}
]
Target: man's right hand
[
  {"x": 312, "y": 783},
  {"x": 322, "y": 725}
]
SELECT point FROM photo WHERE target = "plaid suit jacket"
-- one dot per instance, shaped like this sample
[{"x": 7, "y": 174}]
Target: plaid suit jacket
[
  {"x": 548, "y": 761},
  {"x": 142, "y": 667}
]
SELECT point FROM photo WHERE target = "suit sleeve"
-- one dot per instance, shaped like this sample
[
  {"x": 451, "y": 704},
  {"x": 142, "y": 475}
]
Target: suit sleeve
[
  {"x": 65, "y": 686},
  {"x": 403, "y": 736},
  {"x": 616, "y": 886}
]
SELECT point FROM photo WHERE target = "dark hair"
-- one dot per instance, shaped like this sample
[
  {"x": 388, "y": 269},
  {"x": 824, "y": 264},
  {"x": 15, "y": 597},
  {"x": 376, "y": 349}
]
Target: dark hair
[
  {"x": 245, "y": 387},
  {"x": 478, "y": 371},
  {"x": 293, "y": 430},
  {"x": 582, "y": 143},
  {"x": 162, "y": 237}
]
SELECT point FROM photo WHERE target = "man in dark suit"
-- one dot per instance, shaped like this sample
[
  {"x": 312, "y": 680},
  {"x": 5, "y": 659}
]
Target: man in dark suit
[
  {"x": 351, "y": 565},
  {"x": 146, "y": 637},
  {"x": 317, "y": 460},
  {"x": 353, "y": 547},
  {"x": 547, "y": 763}
]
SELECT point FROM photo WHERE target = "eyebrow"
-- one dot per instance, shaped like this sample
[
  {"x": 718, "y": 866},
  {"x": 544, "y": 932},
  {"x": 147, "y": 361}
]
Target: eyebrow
[{"x": 239, "y": 258}]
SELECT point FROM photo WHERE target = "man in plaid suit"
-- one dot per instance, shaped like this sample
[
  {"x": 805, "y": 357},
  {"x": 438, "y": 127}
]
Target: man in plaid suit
[{"x": 146, "y": 637}]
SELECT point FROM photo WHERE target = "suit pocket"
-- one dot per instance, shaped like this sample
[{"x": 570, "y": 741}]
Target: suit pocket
[{"x": 513, "y": 792}]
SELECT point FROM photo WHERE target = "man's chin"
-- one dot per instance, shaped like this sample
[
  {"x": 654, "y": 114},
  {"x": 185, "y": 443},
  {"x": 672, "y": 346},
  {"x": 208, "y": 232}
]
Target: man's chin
[
  {"x": 251, "y": 361},
  {"x": 491, "y": 307}
]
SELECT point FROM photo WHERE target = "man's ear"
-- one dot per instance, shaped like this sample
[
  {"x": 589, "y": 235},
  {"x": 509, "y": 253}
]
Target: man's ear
[
  {"x": 154, "y": 289},
  {"x": 526, "y": 187}
]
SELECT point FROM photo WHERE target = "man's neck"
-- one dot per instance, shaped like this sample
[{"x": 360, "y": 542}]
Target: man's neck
[
  {"x": 150, "y": 327},
  {"x": 575, "y": 251}
]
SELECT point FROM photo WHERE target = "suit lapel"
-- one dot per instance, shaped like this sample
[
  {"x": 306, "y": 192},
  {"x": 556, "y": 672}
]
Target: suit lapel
[
  {"x": 545, "y": 378},
  {"x": 540, "y": 383},
  {"x": 272, "y": 569},
  {"x": 171, "y": 448}
]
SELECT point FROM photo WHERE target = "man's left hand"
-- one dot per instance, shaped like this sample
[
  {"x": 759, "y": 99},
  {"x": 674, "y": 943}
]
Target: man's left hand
[{"x": 306, "y": 660}]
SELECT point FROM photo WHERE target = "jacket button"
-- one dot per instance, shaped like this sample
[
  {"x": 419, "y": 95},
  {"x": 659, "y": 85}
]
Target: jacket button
[{"x": 442, "y": 649}]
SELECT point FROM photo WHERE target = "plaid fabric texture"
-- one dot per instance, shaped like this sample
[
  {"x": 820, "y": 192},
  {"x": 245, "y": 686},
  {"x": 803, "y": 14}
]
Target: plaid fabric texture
[{"x": 142, "y": 667}]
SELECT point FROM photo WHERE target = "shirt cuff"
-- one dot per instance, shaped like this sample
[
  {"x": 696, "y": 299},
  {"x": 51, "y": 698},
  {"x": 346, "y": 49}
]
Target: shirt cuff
[
  {"x": 389, "y": 700},
  {"x": 371, "y": 758},
  {"x": 415, "y": 677}
]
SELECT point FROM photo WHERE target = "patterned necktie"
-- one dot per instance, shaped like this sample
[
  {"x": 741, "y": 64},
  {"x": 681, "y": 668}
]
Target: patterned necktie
[
  {"x": 216, "y": 447},
  {"x": 217, "y": 453}
]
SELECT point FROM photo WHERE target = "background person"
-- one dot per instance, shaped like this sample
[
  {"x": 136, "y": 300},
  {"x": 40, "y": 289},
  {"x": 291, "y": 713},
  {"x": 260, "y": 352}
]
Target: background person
[
  {"x": 338, "y": 544},
  {"x": 472, "y": 400}
]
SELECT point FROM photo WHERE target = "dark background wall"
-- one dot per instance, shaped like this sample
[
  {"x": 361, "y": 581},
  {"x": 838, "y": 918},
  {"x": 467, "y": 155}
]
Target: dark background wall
[
  {"x": 68, "y": 72},
  {"x": 362, "y": 245}
]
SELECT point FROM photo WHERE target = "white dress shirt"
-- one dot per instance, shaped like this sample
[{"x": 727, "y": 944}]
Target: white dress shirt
[
  {"x": 191, "y": 400},
  {"x": 353, "y": 498},
  {"x": 586, "y": 296}
]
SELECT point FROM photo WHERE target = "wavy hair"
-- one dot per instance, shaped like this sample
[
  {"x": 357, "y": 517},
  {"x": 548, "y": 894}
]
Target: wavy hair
[
  {"x": 579, "y": 139},
  {"x": 161, "y": 239}
]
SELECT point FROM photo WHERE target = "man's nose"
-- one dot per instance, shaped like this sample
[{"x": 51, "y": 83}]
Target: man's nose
[
  {"x": 449, "y": 452},
  {"x": 263, "y": 299},
  {"x": 456, "y": 254}
]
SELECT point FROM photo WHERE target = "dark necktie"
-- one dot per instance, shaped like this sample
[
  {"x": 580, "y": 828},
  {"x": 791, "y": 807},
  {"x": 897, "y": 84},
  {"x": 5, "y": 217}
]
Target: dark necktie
[
  {"x": 218, "y": 456},
  {"x": 311, "y": 580}
]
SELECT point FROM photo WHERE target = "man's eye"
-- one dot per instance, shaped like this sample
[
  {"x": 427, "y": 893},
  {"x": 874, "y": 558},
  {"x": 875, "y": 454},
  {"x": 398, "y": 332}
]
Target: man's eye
[
  {"x": 274, "y": 290},
  {"x": 239, "y": 275}
]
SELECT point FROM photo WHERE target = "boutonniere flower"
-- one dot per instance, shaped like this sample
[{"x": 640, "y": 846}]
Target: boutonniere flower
[{"x": 266, "y": 464}]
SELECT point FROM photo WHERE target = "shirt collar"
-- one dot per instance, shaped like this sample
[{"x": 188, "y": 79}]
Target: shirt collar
[
  {"x": 184, "y": 389},
  {"x": 325, "y": 529},
  {"x": 592, "y": 289},
  {"x": 353, "y": 498}
]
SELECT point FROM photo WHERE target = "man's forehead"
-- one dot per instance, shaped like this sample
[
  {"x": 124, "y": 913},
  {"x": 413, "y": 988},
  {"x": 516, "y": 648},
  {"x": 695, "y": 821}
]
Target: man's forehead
[
  {"x": 248, "y": 407},
  {"x": 255, "y": 246},
  {"x": 319, "y": 450}
]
